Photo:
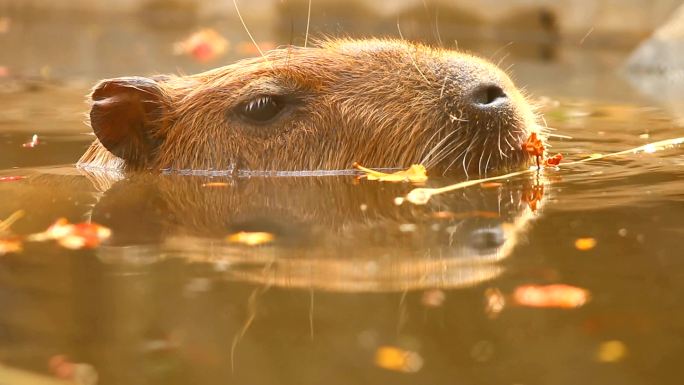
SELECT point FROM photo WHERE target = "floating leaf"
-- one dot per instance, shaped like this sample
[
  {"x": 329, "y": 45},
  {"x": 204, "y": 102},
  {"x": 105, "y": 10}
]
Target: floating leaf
[
  {"x": 550, "y": 296},
  {"x": 421, "y": 196},
  {"x": 540, "y": 296},
  {"x": 553, "y": 161},
  {"x": 611, "y": 351},
  {"x": 251, "y": 238},
  {"x": 585, "y": 244},
  {"x": 416, "y": 174},
  {"x": 400, "y": 360},
  {"x": 33, "y": 143},
  {"x": 12, "y": 178},
  {"x": 535, "y": 147},
  {"x": 73, "y": 236}
]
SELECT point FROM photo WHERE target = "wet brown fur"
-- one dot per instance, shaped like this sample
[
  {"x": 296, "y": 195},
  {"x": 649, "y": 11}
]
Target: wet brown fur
[{"x": 383, "y": 103}]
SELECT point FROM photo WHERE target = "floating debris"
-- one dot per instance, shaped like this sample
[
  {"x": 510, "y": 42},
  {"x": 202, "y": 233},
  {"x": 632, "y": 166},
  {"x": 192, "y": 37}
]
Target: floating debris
[
  {"x": 33, "y": 143},
  {"x": 550, "y": 296},
  {"x": 12, "y": 178},
  {"x": 559, "y": 296},
  {"x": 553, "y": 161},
  {"x": 251, "y": 238},
  {"x": 420, "y": 196},
  {"x": 73, "y": 236},
  {"x": 534, "y": 147},
  {"x": 400, "y": 360},
  {"x": 611, "y": 351},
  {"x": 415, "y": 174},
  {"x": 585, "y": 244}
]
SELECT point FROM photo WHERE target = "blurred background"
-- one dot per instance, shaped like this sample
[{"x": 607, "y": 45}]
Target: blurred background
[{"x": 91, "y": 39}]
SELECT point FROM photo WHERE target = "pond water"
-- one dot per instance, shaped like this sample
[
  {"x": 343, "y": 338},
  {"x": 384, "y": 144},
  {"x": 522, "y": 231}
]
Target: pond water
[{"x": 348, "y": 287}]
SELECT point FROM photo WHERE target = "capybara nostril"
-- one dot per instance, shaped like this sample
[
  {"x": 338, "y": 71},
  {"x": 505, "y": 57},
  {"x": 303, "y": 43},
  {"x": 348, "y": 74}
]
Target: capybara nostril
[{"x": 488, "y": 95}]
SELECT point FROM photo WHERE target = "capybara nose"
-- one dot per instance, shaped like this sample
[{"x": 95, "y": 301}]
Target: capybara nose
[{"x": 488, "y": 95}]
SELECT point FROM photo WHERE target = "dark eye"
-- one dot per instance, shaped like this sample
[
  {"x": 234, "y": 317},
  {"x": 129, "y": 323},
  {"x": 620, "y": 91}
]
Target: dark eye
[{"x": 261, "y": 109}]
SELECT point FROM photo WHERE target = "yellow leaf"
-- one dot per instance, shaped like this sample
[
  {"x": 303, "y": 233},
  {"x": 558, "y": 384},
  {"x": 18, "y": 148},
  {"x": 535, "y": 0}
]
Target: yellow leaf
[
  {"x": 416, "y": 174},
  {"x": 250, "y": 238},
  {"x": 400, "y": 360},
  {"x": 611, "y": 351},
  {"x": 585, "y": 244}
]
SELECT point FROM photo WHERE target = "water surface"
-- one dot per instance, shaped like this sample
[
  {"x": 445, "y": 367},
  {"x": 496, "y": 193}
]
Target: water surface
[{"x": 350, "y": 277}]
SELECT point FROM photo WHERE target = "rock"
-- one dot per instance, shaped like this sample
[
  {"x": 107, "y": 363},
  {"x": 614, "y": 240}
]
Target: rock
[{"x": 663, "y": 53}]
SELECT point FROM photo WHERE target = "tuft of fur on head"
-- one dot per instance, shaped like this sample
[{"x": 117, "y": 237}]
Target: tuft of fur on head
[{"x": 379, "y": 102}]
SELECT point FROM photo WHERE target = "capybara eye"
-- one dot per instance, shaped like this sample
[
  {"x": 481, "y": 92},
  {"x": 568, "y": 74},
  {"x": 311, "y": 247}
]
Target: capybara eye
[{"x": 261, "y": 109}]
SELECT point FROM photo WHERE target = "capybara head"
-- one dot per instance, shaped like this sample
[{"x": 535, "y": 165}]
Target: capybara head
[{"x": 382, "y": 103}]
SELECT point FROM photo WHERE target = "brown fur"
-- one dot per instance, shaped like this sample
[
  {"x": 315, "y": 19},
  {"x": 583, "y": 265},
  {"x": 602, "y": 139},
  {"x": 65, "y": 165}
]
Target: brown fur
[{"x": 383, "y": 103}]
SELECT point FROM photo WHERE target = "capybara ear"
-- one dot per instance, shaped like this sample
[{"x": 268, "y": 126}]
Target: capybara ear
[{"x": 126, "y": 115}]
